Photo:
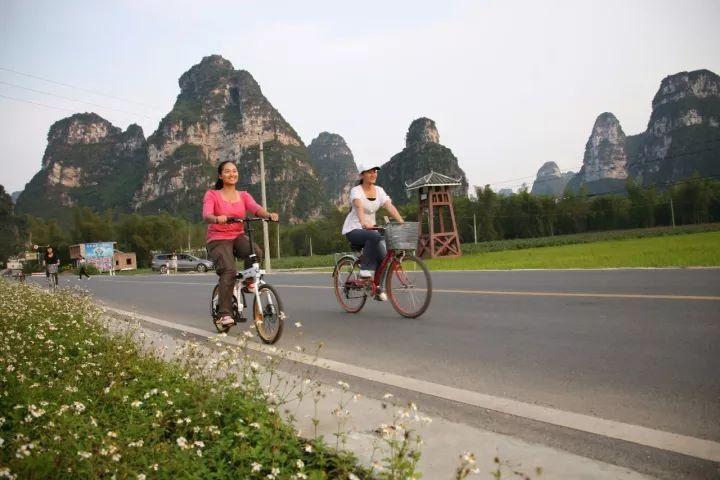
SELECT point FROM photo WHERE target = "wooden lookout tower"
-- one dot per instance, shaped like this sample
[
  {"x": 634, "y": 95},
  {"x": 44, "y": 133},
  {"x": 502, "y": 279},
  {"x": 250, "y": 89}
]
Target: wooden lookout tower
[{"x": 436, "y": 216}]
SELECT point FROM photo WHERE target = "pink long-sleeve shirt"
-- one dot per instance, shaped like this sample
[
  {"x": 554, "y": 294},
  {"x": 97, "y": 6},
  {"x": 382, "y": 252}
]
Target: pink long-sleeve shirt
[{"x": 215, "y": 204}]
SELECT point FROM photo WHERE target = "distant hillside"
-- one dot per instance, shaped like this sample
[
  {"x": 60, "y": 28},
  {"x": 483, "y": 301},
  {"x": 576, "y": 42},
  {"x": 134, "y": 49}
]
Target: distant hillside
[
  {"x": 335, "y": 165},
  {"x": 682, "y": 138},
  {"x": 88, "y": 162},
  {"x": 422, "y": 154}
]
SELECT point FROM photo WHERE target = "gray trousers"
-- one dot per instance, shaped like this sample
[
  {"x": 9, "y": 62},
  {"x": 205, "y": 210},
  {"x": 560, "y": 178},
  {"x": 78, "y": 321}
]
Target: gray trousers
[
  {"x": 374, "y": 249},
  {"x": 223, "y": 253}
]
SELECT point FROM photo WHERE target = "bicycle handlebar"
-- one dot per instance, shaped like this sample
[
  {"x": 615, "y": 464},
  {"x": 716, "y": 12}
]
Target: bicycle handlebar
[{"x": 247, "y": 219}]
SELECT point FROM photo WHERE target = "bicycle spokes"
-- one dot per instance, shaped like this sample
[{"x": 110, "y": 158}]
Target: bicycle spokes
[
  {"x": 350, "y": 289},
  {"x": 409, "y": 286},
  {"x": 268, "y": 314}
]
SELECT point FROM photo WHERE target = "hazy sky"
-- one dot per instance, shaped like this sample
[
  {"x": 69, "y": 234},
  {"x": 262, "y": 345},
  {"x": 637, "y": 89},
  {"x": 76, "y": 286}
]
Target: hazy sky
[{"x": 510, "y": 84}]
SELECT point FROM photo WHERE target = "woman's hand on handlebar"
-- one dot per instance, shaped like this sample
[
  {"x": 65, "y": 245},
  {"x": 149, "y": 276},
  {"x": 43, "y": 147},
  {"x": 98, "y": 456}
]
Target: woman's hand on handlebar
[
  {"x": 222, "y": 219},
  {"x": 273, "y": 217}
]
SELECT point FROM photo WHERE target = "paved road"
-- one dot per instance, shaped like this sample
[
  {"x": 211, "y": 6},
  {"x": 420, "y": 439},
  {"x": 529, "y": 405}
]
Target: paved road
[{"x": 635, "y": 346}]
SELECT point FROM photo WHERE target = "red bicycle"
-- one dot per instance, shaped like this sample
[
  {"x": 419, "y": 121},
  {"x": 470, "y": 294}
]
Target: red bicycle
[{"x": 406, "y": 278}]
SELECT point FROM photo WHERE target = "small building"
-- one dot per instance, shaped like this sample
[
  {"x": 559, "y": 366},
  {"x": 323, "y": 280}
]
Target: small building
[
  {"x": 125, "y": 260},
  {"x": 104, "y": 256}
]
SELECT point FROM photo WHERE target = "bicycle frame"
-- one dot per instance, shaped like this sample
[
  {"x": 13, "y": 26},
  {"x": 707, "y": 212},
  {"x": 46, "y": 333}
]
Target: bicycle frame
[
  {"x": 380, "y": 271},
  {"x": 254, "y": 272}
]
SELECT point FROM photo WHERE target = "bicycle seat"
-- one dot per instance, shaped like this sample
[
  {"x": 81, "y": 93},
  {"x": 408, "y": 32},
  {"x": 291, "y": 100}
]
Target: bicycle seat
[{"x": 356, "y": 248}]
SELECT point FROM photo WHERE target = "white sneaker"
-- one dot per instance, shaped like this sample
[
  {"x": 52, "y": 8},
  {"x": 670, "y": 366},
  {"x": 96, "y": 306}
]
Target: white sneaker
[
  {"x": 381, "y": 297},
  {"x": 366, "y": 273}
]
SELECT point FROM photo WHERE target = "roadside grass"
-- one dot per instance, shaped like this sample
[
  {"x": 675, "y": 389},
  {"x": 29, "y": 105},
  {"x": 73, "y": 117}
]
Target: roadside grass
[
  {"x": 691, "y": 245},
  {"x": 137, "y": 271},
  {"x": 80, "y": 402},
  {"x": 688, "y": 250},
  {"x": 589, "y": 237}
]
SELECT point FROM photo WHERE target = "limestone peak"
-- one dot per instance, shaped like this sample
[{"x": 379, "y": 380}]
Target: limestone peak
[{"x": 421, "y": 131}]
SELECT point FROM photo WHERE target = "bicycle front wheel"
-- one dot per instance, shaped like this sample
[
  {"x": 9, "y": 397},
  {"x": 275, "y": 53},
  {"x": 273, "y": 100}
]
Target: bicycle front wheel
[
  {"x": 409, "y": 286},
  {"x": 52, "y": 283},
  {"x": 346, "y": 281},
  {"x": 268, "y": 314}
]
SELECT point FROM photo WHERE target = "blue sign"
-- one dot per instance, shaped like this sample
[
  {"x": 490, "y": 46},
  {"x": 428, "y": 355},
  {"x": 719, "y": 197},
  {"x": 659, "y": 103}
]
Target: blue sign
[{"x": 100, "y": 254}]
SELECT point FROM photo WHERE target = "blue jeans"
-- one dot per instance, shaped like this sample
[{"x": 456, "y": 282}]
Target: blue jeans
[{"x": 373, "y": 247}]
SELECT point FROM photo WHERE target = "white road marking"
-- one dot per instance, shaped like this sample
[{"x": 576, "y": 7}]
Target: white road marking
[
  {"x": 629, "y": 296},
  {"x": 673, "y": 442}
]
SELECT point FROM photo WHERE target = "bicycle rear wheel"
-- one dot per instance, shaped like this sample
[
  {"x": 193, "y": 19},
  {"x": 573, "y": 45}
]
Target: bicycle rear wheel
[
  {"x": 214, "y": 302},
  {"x": 268, "y": 314},
  {"x": 409, "y": 286},
  {"x": 349, "y": 292}
]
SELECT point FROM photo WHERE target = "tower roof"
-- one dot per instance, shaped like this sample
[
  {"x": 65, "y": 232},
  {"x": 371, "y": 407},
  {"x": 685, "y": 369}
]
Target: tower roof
[{"x": 433, "y": 179}]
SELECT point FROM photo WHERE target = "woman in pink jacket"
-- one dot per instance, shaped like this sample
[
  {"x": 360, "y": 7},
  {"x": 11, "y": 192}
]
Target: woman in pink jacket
[{"x": 227, "y": 241}]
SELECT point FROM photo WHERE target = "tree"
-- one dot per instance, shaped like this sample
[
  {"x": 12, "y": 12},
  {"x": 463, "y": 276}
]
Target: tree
[
  {"x": 486, "y": 210},
  {"x": 642, "y": 204},
  {"x": 91, "y": 227},
  {"x": 12, "y": 228}
]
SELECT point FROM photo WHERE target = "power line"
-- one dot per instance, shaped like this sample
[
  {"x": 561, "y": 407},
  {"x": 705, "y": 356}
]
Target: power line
[
  {"x": 154, "y": 107},
  {"x": 74, "y": 100},
  {"x": 37, "y": 103}
]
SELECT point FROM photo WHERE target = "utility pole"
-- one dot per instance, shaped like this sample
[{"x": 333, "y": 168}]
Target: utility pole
[
  {"x": 475, "y": 227},
  {"x": 310, "y": 245},
  {"x": 266, "y": 234},
  {"x": 278, "y": 239},
  {"x": 672, "y": 211}
]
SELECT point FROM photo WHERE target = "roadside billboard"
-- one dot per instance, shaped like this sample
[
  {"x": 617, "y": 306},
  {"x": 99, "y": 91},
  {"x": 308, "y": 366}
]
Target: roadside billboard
[{"x": 100, "y": 254}]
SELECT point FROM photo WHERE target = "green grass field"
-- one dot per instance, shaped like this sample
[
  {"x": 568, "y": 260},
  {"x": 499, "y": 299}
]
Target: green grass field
[
  {"x": 689, "y": 250},
  {"x": 684, "y": 246}
]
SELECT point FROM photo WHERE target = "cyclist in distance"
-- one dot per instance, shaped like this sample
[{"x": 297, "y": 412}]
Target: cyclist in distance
[
  {"x": 51, "y": 258},
  {"x": 366, "y": 199},
  {"x": 227, "y": 241}
]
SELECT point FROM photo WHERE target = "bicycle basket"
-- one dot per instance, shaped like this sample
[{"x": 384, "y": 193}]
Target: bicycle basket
[
  {"x": 402, "y": 236},
  {"x": 52, "y": 268}
]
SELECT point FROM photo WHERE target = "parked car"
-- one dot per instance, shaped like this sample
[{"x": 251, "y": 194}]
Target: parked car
[{"x": 161, "y": 261}]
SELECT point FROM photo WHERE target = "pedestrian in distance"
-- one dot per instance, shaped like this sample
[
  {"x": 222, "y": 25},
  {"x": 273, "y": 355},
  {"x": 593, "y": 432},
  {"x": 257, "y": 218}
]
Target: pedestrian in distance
[
  {"x": 51, "y": 258},
  {"x": 227, "y": 241},
  {"x": 174, "y": 262},
  {"x": 82, "y": 268},
  {"x": 366, "y": 198}
]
